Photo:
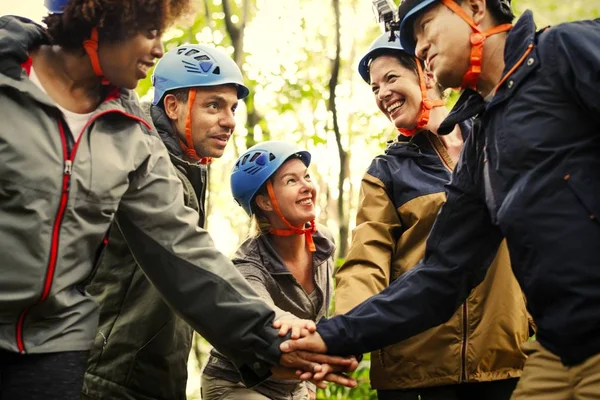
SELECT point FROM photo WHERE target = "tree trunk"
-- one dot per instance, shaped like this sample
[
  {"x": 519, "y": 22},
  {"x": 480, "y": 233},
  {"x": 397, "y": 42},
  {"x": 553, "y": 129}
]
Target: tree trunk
[{"x": 342, "y": 154}]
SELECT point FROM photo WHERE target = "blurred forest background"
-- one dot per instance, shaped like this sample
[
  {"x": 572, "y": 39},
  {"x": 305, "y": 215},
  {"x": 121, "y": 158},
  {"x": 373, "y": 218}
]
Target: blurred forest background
[{"x": 299, "y": 59}]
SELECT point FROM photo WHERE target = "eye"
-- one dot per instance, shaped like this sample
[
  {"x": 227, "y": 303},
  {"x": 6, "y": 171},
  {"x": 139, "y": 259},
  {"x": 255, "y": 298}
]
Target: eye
[
  {"x": 307, "y": 177},
  {"x": 290, "y": 180},
  {"x": 233, "y": 109},
  {"x": 213, "y": 105},
  {"x": 392, "y": 77},
  {"x": 424, "y": 24},
  {"x": 375, "y": 89},
  {"x": 152, "y": 33}
]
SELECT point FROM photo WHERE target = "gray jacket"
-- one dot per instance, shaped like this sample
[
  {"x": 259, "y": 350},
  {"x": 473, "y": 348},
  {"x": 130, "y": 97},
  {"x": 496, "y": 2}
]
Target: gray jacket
[
  {"x": 260, "y": 264},
  {"x": 58, "y": 200}
]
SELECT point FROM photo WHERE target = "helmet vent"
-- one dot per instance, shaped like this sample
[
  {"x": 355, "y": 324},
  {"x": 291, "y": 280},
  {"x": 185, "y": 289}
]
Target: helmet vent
[
  {"x": 271, "y": 156},
  {"x": 252, "y": 170},
  {"x": 245, "y": 159},
  {"x": 254, "y": 157},
  {"x": 217, "y": 71},
  {"x": 191, "y": 52},
  {"x": 202, "y": 57}
]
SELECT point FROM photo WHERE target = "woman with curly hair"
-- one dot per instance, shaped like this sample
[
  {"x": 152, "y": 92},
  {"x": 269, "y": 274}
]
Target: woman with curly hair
[{"x": 77, "y": 156}]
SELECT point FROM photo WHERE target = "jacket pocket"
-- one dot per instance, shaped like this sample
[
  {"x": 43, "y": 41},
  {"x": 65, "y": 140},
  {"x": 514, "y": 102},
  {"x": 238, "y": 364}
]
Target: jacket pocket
[{"x": 586, "y": 192}]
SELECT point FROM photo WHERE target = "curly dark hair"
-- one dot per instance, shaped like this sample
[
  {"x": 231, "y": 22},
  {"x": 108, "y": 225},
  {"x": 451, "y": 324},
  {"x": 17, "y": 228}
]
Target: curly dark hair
[{"x": 116, "y": 20}]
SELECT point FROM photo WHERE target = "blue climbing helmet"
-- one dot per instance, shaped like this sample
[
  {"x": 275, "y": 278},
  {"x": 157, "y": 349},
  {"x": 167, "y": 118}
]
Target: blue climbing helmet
[
  {"x": 252, "y": 170},
  {"x": 379, "y": 45},
  {"x": 192, "y": 65},
  {"x": 55, "y": 6}
]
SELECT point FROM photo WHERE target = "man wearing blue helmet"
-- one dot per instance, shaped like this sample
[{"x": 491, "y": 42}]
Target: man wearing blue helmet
[
  {"x": 530, "y": 173},
  {"x": 142, "y": 346}
]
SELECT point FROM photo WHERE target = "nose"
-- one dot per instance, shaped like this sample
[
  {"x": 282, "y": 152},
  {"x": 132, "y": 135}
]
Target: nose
[
  {"x": 307, "y": 185},
  {"x": 157, "y": 48},
  {"x": 421, "y": 48},
  {"x": 228, "y": 121},
  {"x": 384, "y": 92}
]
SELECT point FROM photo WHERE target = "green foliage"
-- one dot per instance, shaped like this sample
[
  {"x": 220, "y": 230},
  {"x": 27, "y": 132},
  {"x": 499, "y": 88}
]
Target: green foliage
[{"x": 362, "y": 391}]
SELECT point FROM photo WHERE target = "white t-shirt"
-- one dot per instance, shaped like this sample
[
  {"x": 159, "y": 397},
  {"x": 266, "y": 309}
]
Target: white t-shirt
[{"x": 75, "y": 121}]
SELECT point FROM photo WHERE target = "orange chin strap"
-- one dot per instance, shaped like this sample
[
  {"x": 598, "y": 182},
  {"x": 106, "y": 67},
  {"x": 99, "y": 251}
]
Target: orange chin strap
[
  {"x": 307, "y": 232},
  {"x": 477, "y": 39},
  {"x": 91, "y": 48},
  {"x": 188, "y": 146},
  {"x": 426, "y": 105}
]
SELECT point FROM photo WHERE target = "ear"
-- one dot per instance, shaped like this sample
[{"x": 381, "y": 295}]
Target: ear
[
  {"x": 476, "y": 9},
  {"x": 264, "y": 202},
  {"x": 430, "y": 81},
  {"x": 171, "y": 106}
]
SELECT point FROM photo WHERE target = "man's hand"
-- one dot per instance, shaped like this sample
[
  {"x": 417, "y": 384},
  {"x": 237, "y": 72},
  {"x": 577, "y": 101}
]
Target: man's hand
[
  {"x": 310, "y": 342},
  {"x": 327, "y": 376},
  {"x": 298, "y": 326}
]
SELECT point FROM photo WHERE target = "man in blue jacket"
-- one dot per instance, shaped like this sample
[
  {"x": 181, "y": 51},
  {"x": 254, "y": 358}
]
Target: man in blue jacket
[{"x": 530, "y": 173}]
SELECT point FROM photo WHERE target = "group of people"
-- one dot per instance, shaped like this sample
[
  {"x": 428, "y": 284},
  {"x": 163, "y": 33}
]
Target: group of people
[{"x": 475, "y": 229}]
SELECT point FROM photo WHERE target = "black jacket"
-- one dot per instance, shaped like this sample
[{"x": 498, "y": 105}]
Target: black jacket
[
  {"x": 530, "y": 172},
  {"x": 142, "y": 347}
]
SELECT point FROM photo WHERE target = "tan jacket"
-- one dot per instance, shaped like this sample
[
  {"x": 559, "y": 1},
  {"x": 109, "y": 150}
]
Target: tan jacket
[{"x": 401, "y": 195}]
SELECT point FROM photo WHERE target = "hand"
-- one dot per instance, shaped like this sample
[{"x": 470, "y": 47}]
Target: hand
[
  {"x": 328, "y": 376},
  {"x": 311, "y": 362},
  {"x": 312, "y": 395},
  {"x": 327, "y": 369},
  {"x": 298, "y": 327},
  {"x": 310, "y": 342}
]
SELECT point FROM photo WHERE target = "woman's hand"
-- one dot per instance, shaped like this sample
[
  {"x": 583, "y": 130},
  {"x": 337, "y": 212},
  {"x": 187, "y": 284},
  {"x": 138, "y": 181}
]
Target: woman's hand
[{"x": 299, "y": 327}]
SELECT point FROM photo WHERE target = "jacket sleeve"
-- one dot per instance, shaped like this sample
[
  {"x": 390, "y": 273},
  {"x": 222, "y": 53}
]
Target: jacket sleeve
[
  {"x": 575, "y": 52},
  {"x": 367, "y": 268},
  {"x": 460, "y": 248},
  {"x": 199, "y": 282},
  {"x": 257, "y": 280}
]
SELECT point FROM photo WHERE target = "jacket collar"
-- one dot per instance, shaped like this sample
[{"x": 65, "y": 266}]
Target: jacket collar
[
  {"x": 399, "y": 145},
  {"x": 470, "y": 102},
  {"x": 17, "y": 36},
  {"x": 260, "y": 251},
  {"x": 165, "y": 129}
]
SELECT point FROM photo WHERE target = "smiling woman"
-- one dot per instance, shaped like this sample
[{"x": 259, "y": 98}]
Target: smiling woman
[{"x": 288, "y": 261}]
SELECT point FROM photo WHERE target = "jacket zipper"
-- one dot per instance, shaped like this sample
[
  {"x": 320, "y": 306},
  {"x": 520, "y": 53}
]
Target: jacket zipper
[{"x": 68, "y": 157}]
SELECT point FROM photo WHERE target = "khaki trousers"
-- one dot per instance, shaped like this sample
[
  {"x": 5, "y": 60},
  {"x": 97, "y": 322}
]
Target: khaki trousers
[
  {"x": 221, "y": 389},
  {"x": 546, "y": 378}
]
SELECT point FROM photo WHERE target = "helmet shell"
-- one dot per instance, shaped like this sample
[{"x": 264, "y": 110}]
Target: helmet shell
[
  {"x": 407, "y": 12},
  {"x": 55, "y": 6},
  {"x": 252, "y": 170},
  {"x": 379, "y": 45},
  {"x": 193, "y": 65}
]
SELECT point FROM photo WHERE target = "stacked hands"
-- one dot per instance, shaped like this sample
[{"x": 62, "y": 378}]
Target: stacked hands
[{"x": 304, "y": 356}]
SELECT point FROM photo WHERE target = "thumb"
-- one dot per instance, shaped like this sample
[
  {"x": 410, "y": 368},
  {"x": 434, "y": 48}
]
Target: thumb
[{"x": 298, "y": 344}]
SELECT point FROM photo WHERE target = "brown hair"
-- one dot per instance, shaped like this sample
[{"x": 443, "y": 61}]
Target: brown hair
[{"x": 116, "y": 20}]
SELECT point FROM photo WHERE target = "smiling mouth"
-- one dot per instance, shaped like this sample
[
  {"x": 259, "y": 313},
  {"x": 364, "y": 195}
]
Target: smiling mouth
[
  {"x": 144, "y": 67},
  {"x": 305, "y": 202},
  {"x": 392, "y": 108}
]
